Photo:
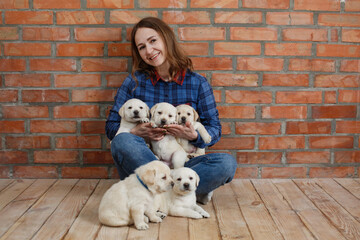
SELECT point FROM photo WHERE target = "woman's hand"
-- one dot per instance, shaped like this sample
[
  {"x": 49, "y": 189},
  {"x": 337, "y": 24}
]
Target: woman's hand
[
  {"x": 186, "y": 131},
  {"x": 146, "y": 131}
]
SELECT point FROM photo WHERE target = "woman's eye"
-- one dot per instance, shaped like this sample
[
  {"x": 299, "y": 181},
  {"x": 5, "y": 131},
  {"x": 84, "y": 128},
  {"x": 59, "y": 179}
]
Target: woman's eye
[
  {"x": 153, "y": 40},
  {"x": 140, "y": 48}
]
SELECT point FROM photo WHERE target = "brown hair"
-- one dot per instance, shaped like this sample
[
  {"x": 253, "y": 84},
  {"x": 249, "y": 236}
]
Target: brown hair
[{"x": 175, "y": 55}]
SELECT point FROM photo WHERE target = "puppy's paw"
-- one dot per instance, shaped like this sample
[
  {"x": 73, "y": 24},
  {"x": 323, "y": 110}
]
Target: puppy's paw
[
  {"x": 161, "y": 214},
  {"x": 156, "y": 219},
  {"x": 207, "y": 138},
  {"x": 144, "y": 120},
  {"x": 146, "y": 219},
  {"x": 205, "y": 214},
  {"x": 190, "y": 156},
  {"x": 141, "y": 226},
  {"x": 196, "y": 215}
]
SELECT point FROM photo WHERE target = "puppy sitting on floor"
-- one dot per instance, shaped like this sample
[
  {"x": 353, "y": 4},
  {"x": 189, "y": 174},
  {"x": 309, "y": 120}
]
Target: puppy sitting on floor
[
  {"x": 181, "y": 200},
  {"x": 130, "y": 201},
  {"x": 186, "y": 113},
  {"x": 167, "y": 149}
]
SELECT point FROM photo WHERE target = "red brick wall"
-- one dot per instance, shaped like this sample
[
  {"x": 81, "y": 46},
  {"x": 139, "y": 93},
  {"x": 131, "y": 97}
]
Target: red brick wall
[{"x": 285, "y": 75}]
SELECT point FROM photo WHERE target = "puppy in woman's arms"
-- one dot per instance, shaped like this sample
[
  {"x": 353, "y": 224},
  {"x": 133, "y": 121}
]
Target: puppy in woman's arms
[
  {"x": 181, "y": 200},
  {"x": 131, "y": 201},
  {"x": 186, "y": 113}
]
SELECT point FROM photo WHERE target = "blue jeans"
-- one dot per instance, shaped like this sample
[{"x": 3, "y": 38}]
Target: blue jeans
[{"x": 130, "y": 151}]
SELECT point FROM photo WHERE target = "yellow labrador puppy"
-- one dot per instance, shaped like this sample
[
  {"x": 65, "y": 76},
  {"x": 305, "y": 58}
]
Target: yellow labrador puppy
[
  {"x": 186, "y": 113},
  {"x": 181, "y": 200},
  {"x": 167, "y": 149},
  {"x": 130, "y": 201}
]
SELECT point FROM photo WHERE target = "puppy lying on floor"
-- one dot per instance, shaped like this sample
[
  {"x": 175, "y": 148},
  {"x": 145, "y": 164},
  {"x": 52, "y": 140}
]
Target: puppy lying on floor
[
  {"x": 186, "y": 113},
  {"x": 130, "y": 201},
  {"x": 181, "y": 200}
]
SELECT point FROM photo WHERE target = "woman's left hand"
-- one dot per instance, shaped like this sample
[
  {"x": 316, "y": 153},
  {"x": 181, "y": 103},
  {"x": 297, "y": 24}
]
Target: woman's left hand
[{"x": 186, "y": 131}]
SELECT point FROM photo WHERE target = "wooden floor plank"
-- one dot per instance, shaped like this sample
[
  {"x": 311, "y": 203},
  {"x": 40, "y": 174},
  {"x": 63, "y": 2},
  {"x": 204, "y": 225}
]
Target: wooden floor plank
[
  {"x": 60, "y": 221},
  {"x": 174, "y": 228},
  {"x": 287, "y": 221},
  {"x": 15, "y": 209},
  {"x": 87, "y": 224},
  {"x": 107, "y": 233},
  {"x": 340, "y": 218},
  {"x": 258, "y": 219},
  {"x": 35, "y": 217},
  {"x": 152, "y": 233},
  {"x": 231, "y": 222},
  {"x": 13, "y": 190},
  {"x": 351, "y": 185},
  {"x": 4, "y": 183},
  {"x": 318, "y": 224}
]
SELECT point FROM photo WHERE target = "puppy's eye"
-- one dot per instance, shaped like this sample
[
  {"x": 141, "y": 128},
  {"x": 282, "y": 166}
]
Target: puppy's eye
[
  {"x": 191, "y": 178},
  {"x": 170, "y": 115},
  {"x": 141, "y": 107},
  {"x": 189, "y": 114},
  {"x": 179, "y": 114},
  {"x": 164, "y": 178},
  {"x": 159, "y": 113},
  {"x": 179, "y": 179},
  {"x": 129, "y": 107}
]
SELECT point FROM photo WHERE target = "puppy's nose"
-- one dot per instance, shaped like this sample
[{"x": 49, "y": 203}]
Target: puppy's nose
[
  {"x": 183, "y": 119},
  {"x": 186, "y": 186},
  {"x": 163, "y": 121},
  {"x": 136, "y": 112}
]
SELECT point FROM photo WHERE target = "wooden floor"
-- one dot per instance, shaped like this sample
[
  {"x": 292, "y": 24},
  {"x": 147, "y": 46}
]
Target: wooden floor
[{"x": 245, "y": 209}]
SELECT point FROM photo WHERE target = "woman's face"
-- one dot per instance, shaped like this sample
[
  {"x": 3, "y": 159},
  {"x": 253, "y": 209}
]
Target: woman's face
[{"x": 151, "y": 47}]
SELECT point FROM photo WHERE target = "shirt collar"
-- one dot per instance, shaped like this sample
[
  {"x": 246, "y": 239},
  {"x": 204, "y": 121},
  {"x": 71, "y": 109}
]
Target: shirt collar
[{"x": 179, "y": 77}]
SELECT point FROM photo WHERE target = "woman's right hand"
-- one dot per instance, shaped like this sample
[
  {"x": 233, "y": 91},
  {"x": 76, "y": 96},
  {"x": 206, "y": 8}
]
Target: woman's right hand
[{"x": 146, "y": 131}]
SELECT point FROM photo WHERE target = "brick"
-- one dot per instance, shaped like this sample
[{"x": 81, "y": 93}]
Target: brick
[
  {"x": 350, "y": 35},
  {"x": 289, "y": 18},
  {"x": 330, "y": 97},
  {"x": 288, "y": 49},
  {"x": 337, "y": 81},
  {"x": 350, "y": 66},
  {"x": 92, "y": 127},
  {"x": 77, "y": 80},
  {"x": 331, "y": 142},
  {"x": 226, "y": 128},
  {"x": 98, "y": 34},
  {"x": 14, "y": 4},
  {"x": 27, "y": 142},
  {"x": 8, "y": 95},
  {"x": 25, "y": 111},
  {"x": 195, "y": 49},
  {"x": 337, "y": 50},
  {"x": 58, "y": 156},
  {"x": 214, "y": 4},
  {"x": 45, "y": 96},
  {"x": 352, "y": 5},
  {"x": 115, "y": 80},
  {"x": 320, "y": 5},
  {"x": 349, "y": 96},
  {"x": 12, "y": 126},
  {"x": 55, "y": 4},
  {"x": 119, "y": 4},
  {"x": 53, "y": 64},
  {"x": 286, "y": 112},
  {"x": 217, "y": 95},
  {"x": 130, "y": 17},
  {"x": 27, "y": 80},
  {"x": 119, "y": 49},
  {"x": 334, "y": 35},
  {"x": 27, "y": 49},
  {"x": 331, "y": 172},
  {"x": 232, "y": 48},
  {"x": 82, "y": 111},
  {"x": 9, "y": 33},
  {"x": 307, "y": 157},
  {"x": 80, "y": 49},
  {"x": 347, "y": 157},
  {"x": 214, "y": 63},
  {"x": 13, "y": 157},
  {"x": 257, "y": 128},
  {"x": 238, "y": 17},
  {"x": 12, "y": 65},
  {"x": 304, "y": 34},
  {"x": 243, "y": 112},
  {"x": 4, "y": 170},
  {"x": 348, "y": 127},
  {"x": 268, "y": 4},
  {"x": 181, "y": 17},
  {"x": 296, "y": 127},
  {"x": 93, "y": 95},
  {"x": 97, "y": 157},
  {"x": 78, "y": 142},
  {"x": 50, "y": 126},
  {"x": 240, "y": 96},
  {"x": 341, "y": 20},
  {"x": 104, "y": 65},
  {"x": 253, "y": 33},
  {"x": 283, "y": 172},
  {"x": 339, "y": 111},
  {"x": 80, "y": 17},
  {"x": 46, "y": 33},
  {"x": 293, "y": 142},
  {"x": 299, "y": 97},
  {"x": 316, "y": 65},
  {"x": 201, "y": 33},
  {"x": 239, "y": 80},
  {"x": 286, "y": 80},
  {"x": 259, "y": 64},
  {"x": 259, "y": 157},
  {"x": 35, "y": 172},
  {"x": 28, "y": 17},
  {"x": 84, "y": 172},
  {"x": 246, "y": 172},
  {"x": 234, "y": 143}
]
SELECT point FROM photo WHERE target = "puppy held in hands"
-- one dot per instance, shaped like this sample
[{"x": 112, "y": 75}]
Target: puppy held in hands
[
  {"x": 132, "y": 112},
  {"x": 181, "y": 200},
  {"x": 167, "y": 149},
  {"x": 131, "y": 201},
  {"x": 186, "y": 113}
]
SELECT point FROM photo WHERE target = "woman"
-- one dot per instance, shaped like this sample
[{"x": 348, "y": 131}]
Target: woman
[{"x": 161, "y": 72}]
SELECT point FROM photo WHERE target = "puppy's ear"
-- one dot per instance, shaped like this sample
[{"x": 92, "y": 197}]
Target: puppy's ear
[
  {"x": 122, "y": 111},
  {"x": 149, "y": 176},
  {"x": 197, "y": 179},
  {"x": 196, "y": 115},
  {"x": 147, "y": 109},
  {"x": 153, "y": 109}
]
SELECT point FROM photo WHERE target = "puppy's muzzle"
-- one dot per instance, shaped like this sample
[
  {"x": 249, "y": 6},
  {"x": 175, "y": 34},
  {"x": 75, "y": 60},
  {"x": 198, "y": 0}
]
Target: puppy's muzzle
[
  {"x": 163, "y": 121},
  {"x": 186, "y": 186},
  {"x": 183, "y": 120}
]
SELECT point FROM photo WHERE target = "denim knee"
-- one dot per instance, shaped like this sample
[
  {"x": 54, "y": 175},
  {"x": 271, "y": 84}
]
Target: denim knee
[{"x": 229, "y": 165}]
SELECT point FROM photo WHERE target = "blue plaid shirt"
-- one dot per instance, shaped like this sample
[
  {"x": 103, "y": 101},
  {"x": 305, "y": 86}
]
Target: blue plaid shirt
[{"x": 189, "y": 88}]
